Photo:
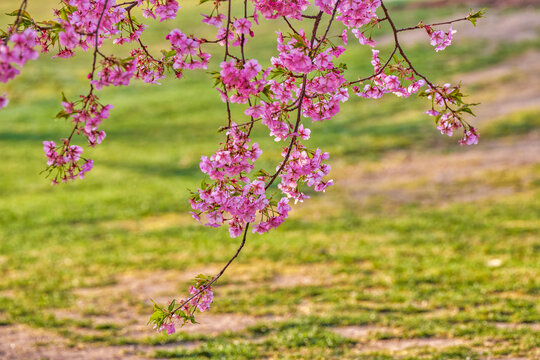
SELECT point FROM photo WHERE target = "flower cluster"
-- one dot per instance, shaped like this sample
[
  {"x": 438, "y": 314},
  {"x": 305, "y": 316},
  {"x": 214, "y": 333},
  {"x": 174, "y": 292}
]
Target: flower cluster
[
  {"x": 200, "y": 299},
  {"x": 65, "y": 162},
  {"x": 187, "y": 52},
  {"x": 391, "y": 81},
  {"x": 115, "y": 73},
  {"x": 16, "y": 52},
  {"x": 232, "y": 198},
  {"x": 304, "y": 168},
  {"x": 449, "y": 116},
  {"x": 240, "y": 80},
  {"x": 81, "y": 20},
  {"x": 440, "y": 39},
  {"x": 294, "y": 55},
  {"x": 164, "y": 9},
  {"x": 273, "y": 9}
]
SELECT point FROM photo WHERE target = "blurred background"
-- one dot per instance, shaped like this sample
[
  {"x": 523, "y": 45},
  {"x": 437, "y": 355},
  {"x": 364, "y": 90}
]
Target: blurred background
[{"x": 422, "y": 250}]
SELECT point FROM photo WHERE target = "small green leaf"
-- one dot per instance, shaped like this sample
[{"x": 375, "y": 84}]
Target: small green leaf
[
  {"x": 24, "y": 14},
  {"x": 171, "y": 305},
  {"x": 262, "y": 172},
  {"x": 473, "y": 17}
]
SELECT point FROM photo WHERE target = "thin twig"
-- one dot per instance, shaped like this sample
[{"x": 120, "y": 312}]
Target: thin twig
[{"x": 244, "y": 237}]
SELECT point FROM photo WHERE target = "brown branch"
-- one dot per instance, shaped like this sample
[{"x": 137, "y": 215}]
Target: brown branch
[
  {"x": 130, "y": 19},
  {"x": 398, "y": 45},
  {"x": 215, "y": 278},
  {"x": 420, "y": 26},
  {"x": 289, "y": 150},
  {"x": 290, "y": 25},
  {"x": 328, "y": 27},
  {"x": 96, "y": 51},
  {"x": 22, "y": 9}
]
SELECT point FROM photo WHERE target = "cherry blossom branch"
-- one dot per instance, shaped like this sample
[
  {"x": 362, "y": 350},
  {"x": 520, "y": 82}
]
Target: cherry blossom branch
[
  {"x": 303, "y": 81},
  {"x": 130, "y": 20},
  {"x": 327, "y": 28},
  {"x": 91, "y": 76}
]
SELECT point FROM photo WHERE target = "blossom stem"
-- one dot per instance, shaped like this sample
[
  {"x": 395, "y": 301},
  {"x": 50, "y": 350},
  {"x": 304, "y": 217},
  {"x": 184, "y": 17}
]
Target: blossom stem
[{"x": 219, "y": 274}]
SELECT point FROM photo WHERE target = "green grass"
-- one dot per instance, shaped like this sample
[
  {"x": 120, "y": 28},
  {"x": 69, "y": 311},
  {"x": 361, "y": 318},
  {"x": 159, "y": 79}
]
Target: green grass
[{"x": 417, "y": 270}]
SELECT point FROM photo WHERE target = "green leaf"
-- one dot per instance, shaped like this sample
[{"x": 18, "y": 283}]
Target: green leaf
[
  {"x": 473, "y": 17},
  {"x": 24, "y": 14},
  {"x": 171, "y": 305},
  {"x": 192, "y": 319},
  {"x": 62, "y": 115},
  {"x": 298, "y": 38},
  {"x": 262, "y": 172},
  {"x": 156, "y": 306}
]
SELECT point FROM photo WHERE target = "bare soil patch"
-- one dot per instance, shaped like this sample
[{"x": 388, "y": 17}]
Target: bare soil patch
[
  {"x": 396, "y": 345},
  {"x": 511, "y": 86},
  {"x": 20, "y": 342},
  {"x": 359, "y": 331},
  {"x": 467, "y": 175},
  {"x": 126, "y": 304},
  {"x": 514, "y": 326}
]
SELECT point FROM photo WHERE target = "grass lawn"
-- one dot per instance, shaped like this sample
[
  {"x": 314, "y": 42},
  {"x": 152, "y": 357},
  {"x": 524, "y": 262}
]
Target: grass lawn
[{"x": 422, "y": 249}]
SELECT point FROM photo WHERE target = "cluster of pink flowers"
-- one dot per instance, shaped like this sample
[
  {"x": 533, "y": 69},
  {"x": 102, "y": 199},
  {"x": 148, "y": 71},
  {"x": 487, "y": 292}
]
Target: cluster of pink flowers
[
  {"x": 447, "y": 118},
  {"x": 355, "y": 13},
  {"x": 324, "y": 93},
  {"x": 448, "y": 123},
  {"x": 80, "y": 25},
  {"x": 20, "y": 51},
  {"x": 188, "y": 53},
  {"x": 201, "y": 299},
  {"x": 294, "y": 55},
  {"x": 235, "y": 35},
  {"x": 233, "y": 197},
  {"x": 115, "y": 73},
  {"x": 88, "y": 118},
  {"x": 66, "y": 160},
  {"x": 470, "y": 137},
  {"x": 273, "y": 9},
  {"x": 384, "y": 83},
  {"x": 86, "y": 114},
  {"x": 304, "y": 167},
  {"x": 240, "y": 80},
  {"x": 164, "y": 9},
  {"x": 440, "y": 39}
]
